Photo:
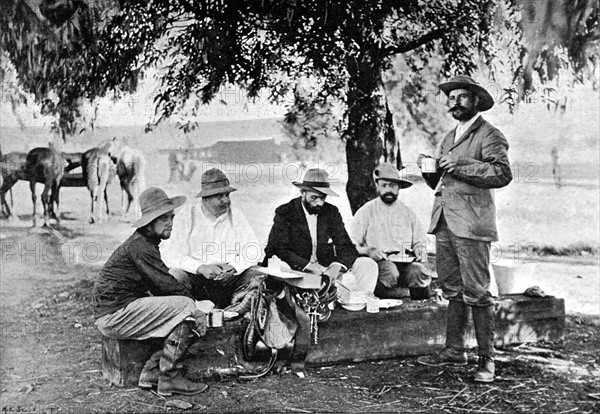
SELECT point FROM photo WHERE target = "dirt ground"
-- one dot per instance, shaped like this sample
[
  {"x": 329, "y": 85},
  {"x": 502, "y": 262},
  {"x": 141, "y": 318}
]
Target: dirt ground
[{"x": 50, "y": 349}]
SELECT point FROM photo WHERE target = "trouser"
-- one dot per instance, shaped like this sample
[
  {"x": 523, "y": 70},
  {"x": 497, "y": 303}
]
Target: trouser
[
  {"x": 149, "y": 317},
  {"x": 463, "y": 267},
  {"x": 464, "y": 276},
  {"x": 219, "y": 292},
  {"x": 405, "y": 275},
  {"x": 362, "y": 276}
]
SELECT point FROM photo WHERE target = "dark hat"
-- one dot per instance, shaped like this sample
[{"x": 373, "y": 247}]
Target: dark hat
[
  {"x": 213, "y": 182},
  {"x": 154, "y": 203},
  {"x": 386, "y": 171},
  {"x": 317, "y": 180},
  {"x": 466, "y": 82}
]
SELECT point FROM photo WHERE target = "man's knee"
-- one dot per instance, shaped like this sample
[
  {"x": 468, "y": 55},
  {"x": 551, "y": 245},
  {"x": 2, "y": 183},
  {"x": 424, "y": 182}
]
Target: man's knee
[
  {"x": 183, "y": 303},
  {"x": 388, "y": 273},
  {"x": 417, "y": 275}
]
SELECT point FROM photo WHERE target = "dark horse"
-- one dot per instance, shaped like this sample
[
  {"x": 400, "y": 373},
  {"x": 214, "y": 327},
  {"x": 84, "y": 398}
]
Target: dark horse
[
  {"x": 45, "y": 165},
  {"x": 12, "y": 168}
]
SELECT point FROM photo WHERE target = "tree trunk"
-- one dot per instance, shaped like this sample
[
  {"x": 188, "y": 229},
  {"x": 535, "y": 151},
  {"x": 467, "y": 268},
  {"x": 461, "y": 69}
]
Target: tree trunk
[{"x": 366, "y": 130}]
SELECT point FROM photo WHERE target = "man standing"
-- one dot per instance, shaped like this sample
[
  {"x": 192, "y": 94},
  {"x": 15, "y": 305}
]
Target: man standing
[
  {"x": 124, "y": 310},
  {"x": 472, "y": 160},
  {"x": 213, "y": 249},
  {"x": 309, "y": 235},
  {"x": 388, "y": 231}
]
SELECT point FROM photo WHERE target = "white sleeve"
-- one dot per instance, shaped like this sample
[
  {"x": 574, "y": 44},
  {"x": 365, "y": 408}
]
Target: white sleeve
[
  {"x": 175, "y": 250},
  {"x": 358, "y": 227},
  {"x": 251, "y": 252}
]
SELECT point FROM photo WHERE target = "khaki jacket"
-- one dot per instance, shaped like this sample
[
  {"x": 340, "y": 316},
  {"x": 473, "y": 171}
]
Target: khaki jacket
[{"x": 465, "y": 196}]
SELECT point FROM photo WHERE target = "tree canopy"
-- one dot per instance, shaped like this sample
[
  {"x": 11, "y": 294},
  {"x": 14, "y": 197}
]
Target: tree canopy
[{"x": 67, "y": 51}]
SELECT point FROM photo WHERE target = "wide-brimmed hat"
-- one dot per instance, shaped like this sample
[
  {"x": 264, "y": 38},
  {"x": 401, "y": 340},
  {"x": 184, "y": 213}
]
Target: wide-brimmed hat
[
  {"x": 386, "y": 171},
  {"x": 154, "y": 203},
  {"x": 317, "y": 180},
  {"x": 214, "y": 182},
  {"x": 466, "y": 82}
]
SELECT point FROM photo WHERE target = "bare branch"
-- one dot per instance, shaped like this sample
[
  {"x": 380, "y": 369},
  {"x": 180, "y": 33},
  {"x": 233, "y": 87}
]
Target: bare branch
[{"x": 413, "y": 44}]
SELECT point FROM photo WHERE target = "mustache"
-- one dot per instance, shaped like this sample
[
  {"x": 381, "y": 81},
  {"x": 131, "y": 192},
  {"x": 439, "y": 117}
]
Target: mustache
[{"x": 457, "y": 107}]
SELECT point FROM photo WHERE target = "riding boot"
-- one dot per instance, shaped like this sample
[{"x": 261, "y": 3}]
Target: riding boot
[
  {"x": 483, "y": 319},
  {"x": 149, "y": 375},
  {"x": 170, "y": 379},
  {"x": 456, "y": 329}
]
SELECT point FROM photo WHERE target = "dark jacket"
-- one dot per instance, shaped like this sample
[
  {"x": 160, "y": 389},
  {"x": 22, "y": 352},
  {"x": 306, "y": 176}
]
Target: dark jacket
[
  {"x": 464, "y": 196},
  {"x": 134, "y": 269},
  {"x": 290, "y": 239}
]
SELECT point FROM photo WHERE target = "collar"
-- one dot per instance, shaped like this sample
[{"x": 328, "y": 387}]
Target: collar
[
  {"x": 466, "y": 124},
  {"x": 306, "y": 213}
]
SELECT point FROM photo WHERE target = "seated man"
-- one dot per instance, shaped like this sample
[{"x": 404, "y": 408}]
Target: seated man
[
  {"x": 213, "y": 249},
  {"x": 124, "y": 310},
  {"x": 309, "y": 235},
  {"x": 387, "y": 231}
]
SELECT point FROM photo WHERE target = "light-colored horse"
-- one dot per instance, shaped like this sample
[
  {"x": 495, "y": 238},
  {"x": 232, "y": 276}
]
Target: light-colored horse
[
  {"x": 96, "y": 166},
  {"x": 131, "y": 169}
]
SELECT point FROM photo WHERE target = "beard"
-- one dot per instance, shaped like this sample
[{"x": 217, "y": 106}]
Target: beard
[
  {"x": 389, "y": 198},
  {"x": 311, "y": 209},
  {"x": 461, "y": 113}
]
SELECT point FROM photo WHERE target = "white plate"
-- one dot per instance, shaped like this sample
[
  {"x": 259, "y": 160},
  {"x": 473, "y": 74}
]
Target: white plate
[
  {"x": 227, "y": 315},
  {"x": 389, "y": 303},
  {"x": 353, "y": 306}
]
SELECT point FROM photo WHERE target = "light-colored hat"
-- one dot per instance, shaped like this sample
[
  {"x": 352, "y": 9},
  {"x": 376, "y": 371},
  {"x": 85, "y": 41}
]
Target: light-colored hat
[
  {"x": 466, "y": 82},
  {"x": 317, "y": 180},
  {"x": 154, "y": 203},
  {"x": 387, "y": 171},
  {"x": 214, "y": 182}
]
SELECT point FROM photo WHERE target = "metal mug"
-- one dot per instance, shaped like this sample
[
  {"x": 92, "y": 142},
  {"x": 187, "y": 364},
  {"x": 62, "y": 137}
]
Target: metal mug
[
  {"x": 428, "y": 165},
  {"x": 216, "y": 318}
]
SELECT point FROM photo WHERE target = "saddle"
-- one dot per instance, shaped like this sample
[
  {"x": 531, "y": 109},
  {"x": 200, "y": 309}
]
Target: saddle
[{"x": 283, "y": 328}]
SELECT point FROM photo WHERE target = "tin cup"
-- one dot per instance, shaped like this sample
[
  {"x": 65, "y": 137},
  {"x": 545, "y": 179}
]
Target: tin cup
[
  {"x": 428, "y": 165},
  {"x": 216, "y": 318},
  {"x": 373, "y": 304}
]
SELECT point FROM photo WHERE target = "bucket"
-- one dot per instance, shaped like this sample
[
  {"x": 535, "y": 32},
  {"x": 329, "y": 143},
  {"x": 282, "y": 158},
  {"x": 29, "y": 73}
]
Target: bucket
[{"x": 513, "y": 277}]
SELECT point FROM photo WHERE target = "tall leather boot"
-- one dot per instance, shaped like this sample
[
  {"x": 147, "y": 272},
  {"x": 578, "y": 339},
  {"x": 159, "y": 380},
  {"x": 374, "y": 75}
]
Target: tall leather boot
[
  {"x": 484, "y": 321},
  {"x": 170, "y": 378},
  {"x": 149, "y": 375},
  {"x": 456, "y": 329}
]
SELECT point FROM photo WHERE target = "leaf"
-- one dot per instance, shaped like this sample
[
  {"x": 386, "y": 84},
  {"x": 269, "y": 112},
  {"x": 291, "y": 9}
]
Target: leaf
[{"x": 182, "y": 405}]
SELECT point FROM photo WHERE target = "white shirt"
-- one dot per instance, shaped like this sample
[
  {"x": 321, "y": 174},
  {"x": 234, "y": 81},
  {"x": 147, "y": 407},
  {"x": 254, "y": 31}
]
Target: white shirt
[
  {"x": 312, "y": 228},
  {"x": 386, "y": 227},
  {"x": 196, "y": 240},
  {"x": 462, "y": 127}
]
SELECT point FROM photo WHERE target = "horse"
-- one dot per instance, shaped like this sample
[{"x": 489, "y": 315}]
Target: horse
[
  {"x": 85, "y": 179},
  {"x": 12, "y": 168},
  {"x": 96, "y": 166},
  {"x": 131, "y": 169},
  {"x": 45, "y": 165}
]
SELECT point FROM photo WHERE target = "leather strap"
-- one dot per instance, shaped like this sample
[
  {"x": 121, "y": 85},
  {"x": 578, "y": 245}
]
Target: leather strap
[{"x": 302, "y": 339}]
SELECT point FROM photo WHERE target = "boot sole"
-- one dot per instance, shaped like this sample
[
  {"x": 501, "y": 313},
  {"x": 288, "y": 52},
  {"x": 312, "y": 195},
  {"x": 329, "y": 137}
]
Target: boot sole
[
  {"x": 147, "y": 385},
  {"x": 170, "y": 393}
]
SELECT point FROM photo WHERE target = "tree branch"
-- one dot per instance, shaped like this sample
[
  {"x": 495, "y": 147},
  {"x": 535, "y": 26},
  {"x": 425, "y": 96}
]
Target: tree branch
[{"x": 413, "y": 44}]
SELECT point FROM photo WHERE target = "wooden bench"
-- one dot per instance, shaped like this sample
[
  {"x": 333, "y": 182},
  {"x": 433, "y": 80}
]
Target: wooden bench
[{"x": 415, "y": 328}]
